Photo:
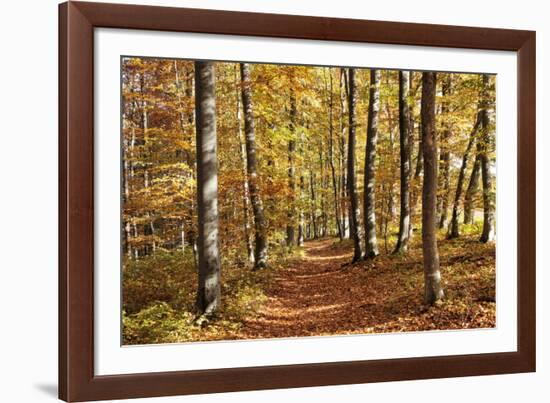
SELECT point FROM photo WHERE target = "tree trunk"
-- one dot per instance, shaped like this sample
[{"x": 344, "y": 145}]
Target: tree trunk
[
  {"x": 483, "y": 149},
  {"x": 371, "y": 243},
  {"x": 352, "y": 180},
  {"x": 471, "y": 192},
  {"x": 339, "y": 228},
  {"x": 313, "y": 203},
  {"x": 260, "y": 237},
  {"x": 405, "y": 165},
  {"x": 444, "y": 157},
  {"x": 343, "y": 177},
  {"x": 415, "y": 189},
  {"x": 301, "y": 221},
  {"x": 246, "y": 191},
  {"x": 290, "y": 237},
  {"x": 454, "y": 231},
  {"x": 433, "y": 290},
  {"x": 209, "y": 290}
]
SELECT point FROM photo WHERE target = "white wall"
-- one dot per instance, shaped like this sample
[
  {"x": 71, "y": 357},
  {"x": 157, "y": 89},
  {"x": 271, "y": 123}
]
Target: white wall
[{"x": 28, "y": 199}]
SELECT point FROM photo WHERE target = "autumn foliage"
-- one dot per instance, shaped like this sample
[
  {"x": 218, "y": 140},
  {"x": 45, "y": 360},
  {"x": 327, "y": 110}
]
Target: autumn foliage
[{"x": 301, "y": 126}]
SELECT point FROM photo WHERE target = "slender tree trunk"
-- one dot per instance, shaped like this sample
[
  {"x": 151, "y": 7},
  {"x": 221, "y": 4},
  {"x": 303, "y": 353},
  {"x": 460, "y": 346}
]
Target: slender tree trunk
[
  {"x": 149, "y": 228},
  {"x": 301, "y": 220},
  {"x": 246, "y": 192},
  {"x": 209, "y": 290},
  {"x": 454, "y": 231},
  {"x": 302, "y": 191},
  {"x": 444, "y": 157},
  {"x": 313, "y": 203},
  {"x": 371, "y": 243},
  {"x": 405, "y": 167},
  {"x": 290, "y": 237},
  {"x": 346, "y": 220},
  {"x": 415, "y": 182},
  {"x": 126, "y": 173},
  {"x": 483, "y": 149},
  {"x": 433, "y": 290},
  {"x": 352, "y": 180},
  {"x": 322, "y": 184},
  {"x": 471, "y": 192},
  {"x": 339, "y": 229},
  {"x": 260, "y": 236}
]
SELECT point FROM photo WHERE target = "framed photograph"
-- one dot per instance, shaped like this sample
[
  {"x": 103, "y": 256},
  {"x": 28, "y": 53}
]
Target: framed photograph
[{"x": 255, "y": 201}]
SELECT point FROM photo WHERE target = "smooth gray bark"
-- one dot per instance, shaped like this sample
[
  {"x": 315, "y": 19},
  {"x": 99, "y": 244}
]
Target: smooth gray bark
[
  {"x": 352, "y": 180},
  {"x": 471, "y": 192},
  {"x": 337, "y": 218},
  {"x": 260, "y": 230},
  {"x": 343, "y": 89},
  {"x": 209, "y": 290},
  {"x": 454, "y": 230},
  {"x": 433, "y": 290},
  {"x": 483, "y": 149},
  {"x": 246, "y": 191},
  {"x": 445, "y": 155},
  {"x": 290, "y": 233},
  {"x": 405, "y": 164},
  {"x": 371, "y": 243}
]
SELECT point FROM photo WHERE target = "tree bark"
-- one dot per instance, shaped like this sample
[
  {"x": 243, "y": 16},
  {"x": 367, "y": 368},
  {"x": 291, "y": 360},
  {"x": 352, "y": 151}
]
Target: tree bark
[
  {"x": 471, "y": 192},
  {"x": 405, "y": 165},
  {"x": 331, "y": 159},
  {"x": 260, "y": 236},
  {"x": 209, "y": 290},
  {"x": 454, "y": 231},
  {"x": 290, "y": 236},
  {"x": 246, "y": 191},
  {"x": 352, "y": 180},
  {"x": 483, "y": 149},
  {"x": 301, "y": 220},
  {"x": 371, "y": 243},
  {"x": 415, "y": 189},
  {"x": 433, "y": 290},
  {"x": 346, "y": 220},
  {"x": 444, "y": 156}
]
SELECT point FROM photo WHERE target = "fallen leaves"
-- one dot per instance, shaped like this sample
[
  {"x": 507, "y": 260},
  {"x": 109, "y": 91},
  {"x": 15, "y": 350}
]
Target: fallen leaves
[{"x": 315, "y": 292}]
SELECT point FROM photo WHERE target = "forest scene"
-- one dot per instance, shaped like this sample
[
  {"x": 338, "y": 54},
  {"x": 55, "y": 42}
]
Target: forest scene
[{"x": 266, "y": 201}]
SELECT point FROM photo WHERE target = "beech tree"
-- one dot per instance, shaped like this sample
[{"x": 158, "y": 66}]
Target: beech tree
[
  {"x": 371, "y": 243},
  {"x": 290, "y": 234},
  {"x": 209, "y": 290},
  {"x": 484, "y": 146},
  {"x": 405, "y": 162},
  {"x": 352, "y": 180},
  {"x": 260, "y": 241},
  {"x": 454, "y": 230},
  {"x": 471, "y": 192},
  {"x": 242, "y": 148},
  {"x": 445, "y": 154},
  {"x": 433, "y": 290}
]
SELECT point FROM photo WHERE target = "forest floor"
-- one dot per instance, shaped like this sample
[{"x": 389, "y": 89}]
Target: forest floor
[
  {"x": 313, "y": 291},
  {"x": 320, "y": 294}
]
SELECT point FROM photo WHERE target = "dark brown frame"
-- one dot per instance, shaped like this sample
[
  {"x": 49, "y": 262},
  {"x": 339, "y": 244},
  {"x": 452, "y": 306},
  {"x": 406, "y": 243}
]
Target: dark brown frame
[{"x": 77, "y": 21}]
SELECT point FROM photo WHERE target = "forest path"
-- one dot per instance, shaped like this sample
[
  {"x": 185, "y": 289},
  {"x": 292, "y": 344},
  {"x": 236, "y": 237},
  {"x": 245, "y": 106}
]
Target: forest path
[
  {"x": 314, "y": 295},
  {"x": 320, "y": 294}
]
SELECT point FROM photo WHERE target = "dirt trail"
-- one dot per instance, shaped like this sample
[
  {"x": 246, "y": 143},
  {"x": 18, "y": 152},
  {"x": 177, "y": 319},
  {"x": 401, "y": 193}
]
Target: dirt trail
[
  {"x": 317, "y": 295},
  {"x": 312, "y": 296}
]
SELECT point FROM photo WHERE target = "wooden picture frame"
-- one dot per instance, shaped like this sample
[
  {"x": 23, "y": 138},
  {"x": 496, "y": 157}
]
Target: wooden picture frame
[{"x": 77, "y": 21}]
